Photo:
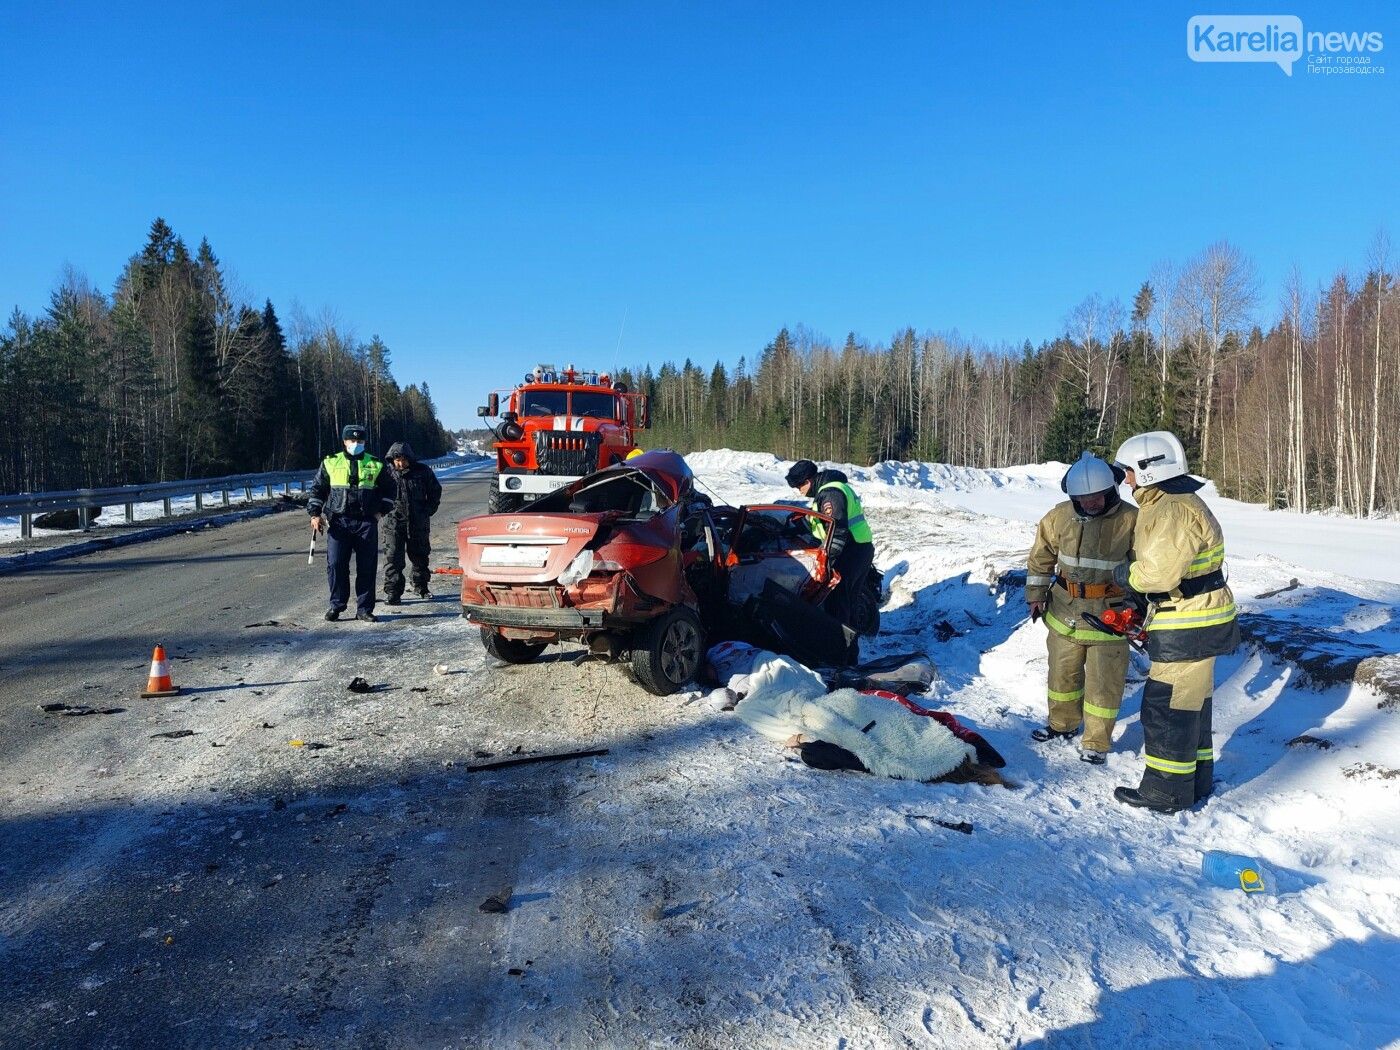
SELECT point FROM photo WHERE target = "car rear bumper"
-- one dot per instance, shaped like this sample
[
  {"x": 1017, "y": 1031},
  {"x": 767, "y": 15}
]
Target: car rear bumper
[{"x": 535, "y": 619}]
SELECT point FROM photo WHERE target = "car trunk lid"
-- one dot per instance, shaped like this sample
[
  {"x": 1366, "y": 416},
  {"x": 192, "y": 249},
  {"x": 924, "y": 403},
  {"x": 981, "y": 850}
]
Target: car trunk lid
[{"x": 524, "y": 548}]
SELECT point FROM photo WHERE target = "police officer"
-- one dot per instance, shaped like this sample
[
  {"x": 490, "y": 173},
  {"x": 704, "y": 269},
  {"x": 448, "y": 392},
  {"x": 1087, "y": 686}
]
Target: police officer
[
  {"x": 1069, "y": 575},
  {"x": 407, "y": 529},
  {"x": 852, "y": 549},
  {"x": 351, "y": 491},
  {"x": 1177, "y": 572}
]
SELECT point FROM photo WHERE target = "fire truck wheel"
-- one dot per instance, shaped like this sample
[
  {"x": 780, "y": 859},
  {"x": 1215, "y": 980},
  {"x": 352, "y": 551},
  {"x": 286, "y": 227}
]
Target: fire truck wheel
[
  {"x": 510, "y": 650},
  {"x": 666, "y": 653},
  {"x": 499, "y": 502}
]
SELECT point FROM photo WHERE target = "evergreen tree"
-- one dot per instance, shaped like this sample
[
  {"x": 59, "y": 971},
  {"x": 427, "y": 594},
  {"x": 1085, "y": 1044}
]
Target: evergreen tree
[{"x": 1071, "y": 427}]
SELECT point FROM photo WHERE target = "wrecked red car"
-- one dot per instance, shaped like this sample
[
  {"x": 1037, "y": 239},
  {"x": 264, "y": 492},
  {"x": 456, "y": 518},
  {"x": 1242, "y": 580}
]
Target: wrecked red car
[{"x": 634, "y": 562}]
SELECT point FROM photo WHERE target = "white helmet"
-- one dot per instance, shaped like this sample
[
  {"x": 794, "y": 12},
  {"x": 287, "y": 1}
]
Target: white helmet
[
  {"x": 1088, "y": 476},
  {"x": 1154, "y": 457}
]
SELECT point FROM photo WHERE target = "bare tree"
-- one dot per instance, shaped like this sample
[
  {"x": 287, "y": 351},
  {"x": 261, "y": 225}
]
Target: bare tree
[
  {"x": 1380, "y": 265},
  {"x": 1221, "y": 285}
]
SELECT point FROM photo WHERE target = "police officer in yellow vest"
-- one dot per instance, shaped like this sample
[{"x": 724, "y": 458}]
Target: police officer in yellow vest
[
  {"x": 1178, "y": 573},
  {"x": 852, "y": 549},
  {"x": 352, "y": 491},
  {"x": 1069, "y": 574}
]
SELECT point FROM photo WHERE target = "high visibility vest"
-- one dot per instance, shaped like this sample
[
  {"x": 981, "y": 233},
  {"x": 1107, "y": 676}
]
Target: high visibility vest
[
  {"x": 338, "y": 470},
  {"x": 855, "y": 515}
]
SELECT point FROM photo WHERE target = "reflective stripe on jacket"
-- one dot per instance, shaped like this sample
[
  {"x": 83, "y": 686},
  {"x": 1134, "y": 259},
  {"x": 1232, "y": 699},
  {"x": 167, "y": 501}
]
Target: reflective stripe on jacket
[
  {"x": 1178, "y": 539},
  {"x": 1082, "y": 550},
  {"x": 856, "y": 524}
]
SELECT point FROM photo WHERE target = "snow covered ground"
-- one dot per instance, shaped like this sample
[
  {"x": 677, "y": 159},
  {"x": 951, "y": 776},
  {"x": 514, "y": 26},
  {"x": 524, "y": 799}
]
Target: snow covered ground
[
  {"x": 698, "y": 886},
  {"x": 1064, "y": 917},
  {"x": 154, "y": 510}
]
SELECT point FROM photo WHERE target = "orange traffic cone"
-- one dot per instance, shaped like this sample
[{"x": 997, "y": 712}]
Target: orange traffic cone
[{"x": 159, "y": 683}]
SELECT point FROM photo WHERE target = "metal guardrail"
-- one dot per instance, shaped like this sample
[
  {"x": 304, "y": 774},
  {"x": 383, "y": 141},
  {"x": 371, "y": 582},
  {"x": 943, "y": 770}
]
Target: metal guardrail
[{"x": 28, "y": 504}]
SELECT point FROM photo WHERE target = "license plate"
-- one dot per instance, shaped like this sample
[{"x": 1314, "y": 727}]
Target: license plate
[{"x": 524, "y": 557}]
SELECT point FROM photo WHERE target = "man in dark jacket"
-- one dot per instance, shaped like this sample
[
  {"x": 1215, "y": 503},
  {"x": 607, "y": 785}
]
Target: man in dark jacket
[
  {"x": 408, "y": 526},
  {"x": 351, "y": 492},
  {"x": 852, "y": 550}
]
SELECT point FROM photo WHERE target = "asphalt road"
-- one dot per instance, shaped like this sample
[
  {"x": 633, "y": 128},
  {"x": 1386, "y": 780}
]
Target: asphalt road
[
  {"x": 270, "y": 859},
  {"x": 278, "y": 874}
]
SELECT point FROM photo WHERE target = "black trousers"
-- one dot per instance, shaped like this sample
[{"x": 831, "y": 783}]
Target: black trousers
[
  {"x": 348, "y": 538},
  {"x": 399, "y": 543},
  {"x": 854, "y": 566},
  {"x": 1176, "y": 729}
]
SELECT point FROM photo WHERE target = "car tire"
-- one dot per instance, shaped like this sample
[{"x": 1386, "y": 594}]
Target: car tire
[
  {"x": 499, "y": 502},
  {"x": 666, "y": 653},
  {"x": 511, "y": 650}
]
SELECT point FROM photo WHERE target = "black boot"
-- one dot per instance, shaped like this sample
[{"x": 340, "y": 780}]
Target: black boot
[
  {"x": 1051, "y": 733},
  {"x": 422, "y": 591},
  {"x": 332, "y": 614},
  {"x": 392, "y": 599},
  {"x": 366, "y": 616},
  {"x": 1147, "y": 799},
  {"x": 1094, "y": 758}
]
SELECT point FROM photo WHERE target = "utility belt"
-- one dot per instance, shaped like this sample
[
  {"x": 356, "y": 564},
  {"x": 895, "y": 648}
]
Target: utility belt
[
  {"x": 1089, "y": 590},
  {"x": 1192, "y": 588}
]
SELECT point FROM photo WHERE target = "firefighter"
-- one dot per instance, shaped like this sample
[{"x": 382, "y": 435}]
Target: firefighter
[
  {"x": 351, "y": 492},
  {"x": 852, "y": 549},
  {"x": 1177, "y": 573},
  {"x": 409, "y": 525},
  {"x": 1078, "y": 544}
]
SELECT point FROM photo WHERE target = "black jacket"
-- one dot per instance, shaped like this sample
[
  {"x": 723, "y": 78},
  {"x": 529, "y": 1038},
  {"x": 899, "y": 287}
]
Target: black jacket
[
  {"x": 417, "y": 491},
  {"x": 351, "y": 501}
]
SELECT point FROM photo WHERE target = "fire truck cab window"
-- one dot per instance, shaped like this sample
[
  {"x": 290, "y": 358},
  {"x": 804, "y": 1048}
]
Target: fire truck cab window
[
  {"x": 544, "y": 402},
  {"x": 595, "y": 406}
]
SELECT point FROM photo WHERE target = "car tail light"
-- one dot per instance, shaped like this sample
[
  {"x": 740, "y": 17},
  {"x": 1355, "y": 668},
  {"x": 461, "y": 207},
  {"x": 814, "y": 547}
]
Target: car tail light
[{"x": 619, "y": 556}]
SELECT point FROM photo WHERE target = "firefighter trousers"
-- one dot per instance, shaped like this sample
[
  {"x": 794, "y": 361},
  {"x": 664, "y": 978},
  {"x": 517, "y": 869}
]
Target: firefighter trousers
[
  {"x": 1176, "y": 730},
  {"x": 1086, "y": 685}
]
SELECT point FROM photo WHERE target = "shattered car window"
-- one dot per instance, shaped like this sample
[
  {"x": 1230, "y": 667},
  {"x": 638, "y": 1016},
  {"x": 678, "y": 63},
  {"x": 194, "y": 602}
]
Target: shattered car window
[
  {"x": 774, "y": 530},
  {"x": 627, "y": 491}
]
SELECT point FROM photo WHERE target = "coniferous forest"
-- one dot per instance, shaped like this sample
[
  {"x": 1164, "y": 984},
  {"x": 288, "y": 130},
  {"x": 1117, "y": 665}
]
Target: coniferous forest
[
  {"x": 1293, "y": 404},
  {"x": 175, "y": 376}
]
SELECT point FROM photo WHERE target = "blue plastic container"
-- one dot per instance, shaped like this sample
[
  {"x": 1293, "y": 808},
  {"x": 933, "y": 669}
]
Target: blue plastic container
[{"x": 1232, "y": 871}]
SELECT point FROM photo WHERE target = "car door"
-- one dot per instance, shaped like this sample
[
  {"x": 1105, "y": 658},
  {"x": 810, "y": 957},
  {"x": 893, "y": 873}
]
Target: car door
[{"x": 774, "y": 541}]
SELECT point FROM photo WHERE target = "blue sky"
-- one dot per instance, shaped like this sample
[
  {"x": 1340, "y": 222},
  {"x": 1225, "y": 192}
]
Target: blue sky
[{"x": 486, "y": 186}]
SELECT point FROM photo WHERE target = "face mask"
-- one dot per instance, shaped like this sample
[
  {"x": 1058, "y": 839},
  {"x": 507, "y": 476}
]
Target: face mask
[{"x": 357, "y": 448}]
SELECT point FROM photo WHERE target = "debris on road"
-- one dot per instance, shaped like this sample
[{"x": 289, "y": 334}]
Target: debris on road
[
  {"x": 78, "y": 710},
  {"x": 498, "y": 903},
  {"x": 529, "y": 759},
  {"x": 172, "y": 734},
  {"x": 359, "y": 685},
  {"x": 441, "y": 668}
]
